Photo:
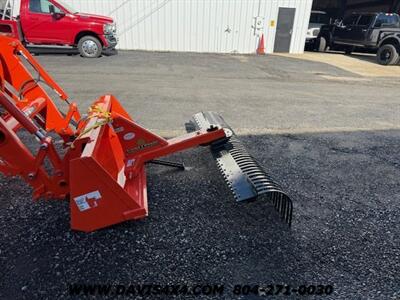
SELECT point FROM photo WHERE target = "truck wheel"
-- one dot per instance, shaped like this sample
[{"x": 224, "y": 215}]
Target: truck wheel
[
  {"x": 321, "y": 44},
  {"x": 90, "y": 47},
  {"x": 387, "y": 55}
]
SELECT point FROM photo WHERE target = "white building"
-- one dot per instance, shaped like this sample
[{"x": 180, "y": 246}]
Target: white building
[{"x": 223, "y": 26}]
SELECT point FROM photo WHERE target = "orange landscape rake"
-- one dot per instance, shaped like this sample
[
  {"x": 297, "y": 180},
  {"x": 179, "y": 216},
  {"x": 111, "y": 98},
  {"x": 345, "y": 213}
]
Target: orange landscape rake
[{"x": 101, "y": 166}]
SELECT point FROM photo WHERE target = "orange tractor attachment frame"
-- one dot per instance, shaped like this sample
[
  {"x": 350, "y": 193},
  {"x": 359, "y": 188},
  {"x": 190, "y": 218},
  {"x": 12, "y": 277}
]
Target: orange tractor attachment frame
[{"x": 101, "y": 166}]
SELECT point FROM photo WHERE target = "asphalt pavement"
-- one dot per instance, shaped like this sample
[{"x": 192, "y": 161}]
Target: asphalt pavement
[{"x": 330, "y": 137}]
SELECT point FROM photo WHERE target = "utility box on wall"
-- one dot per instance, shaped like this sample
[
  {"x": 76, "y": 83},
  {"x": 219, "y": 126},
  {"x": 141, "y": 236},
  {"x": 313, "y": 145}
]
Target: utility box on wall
[{"x": 216, "y": 26}]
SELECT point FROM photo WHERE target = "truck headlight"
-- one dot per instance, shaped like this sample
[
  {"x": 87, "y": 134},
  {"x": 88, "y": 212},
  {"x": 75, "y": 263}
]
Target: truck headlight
[
  {"x": 110, "y": 28},
  {"x": 313, "y": 32},
  {"x": 316, "y": 32}
]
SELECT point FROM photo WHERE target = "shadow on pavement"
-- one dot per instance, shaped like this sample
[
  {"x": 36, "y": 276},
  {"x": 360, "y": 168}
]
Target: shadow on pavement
[
  {"x": 345, "y": 187},
  {"x": 66, "y": 52}
]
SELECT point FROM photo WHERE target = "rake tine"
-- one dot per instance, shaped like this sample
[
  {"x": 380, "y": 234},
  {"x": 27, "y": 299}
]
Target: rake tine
[
  {"x": 287, "y": 211},
  {"x": 279, "y": 203},
  {"x": 289, "y": 218},
  {"x": 281, "y": 208}
]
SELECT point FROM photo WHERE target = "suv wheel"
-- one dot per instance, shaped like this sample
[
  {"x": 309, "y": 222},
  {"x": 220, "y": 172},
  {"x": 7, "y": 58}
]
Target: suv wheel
[
  {"x": 90, "y": 47},
  {"x": 321, "y": 44},
  {"x": 349, "y": 49},
  {"x": 387, "y": 55}
]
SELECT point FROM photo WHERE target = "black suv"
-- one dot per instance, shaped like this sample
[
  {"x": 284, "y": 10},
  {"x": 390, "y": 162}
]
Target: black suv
[{"x": 377, "y": 32}]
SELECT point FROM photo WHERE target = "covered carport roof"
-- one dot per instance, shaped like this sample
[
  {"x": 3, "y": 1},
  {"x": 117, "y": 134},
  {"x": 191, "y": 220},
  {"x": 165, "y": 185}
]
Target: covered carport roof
[{"x": 338, "y": 8}]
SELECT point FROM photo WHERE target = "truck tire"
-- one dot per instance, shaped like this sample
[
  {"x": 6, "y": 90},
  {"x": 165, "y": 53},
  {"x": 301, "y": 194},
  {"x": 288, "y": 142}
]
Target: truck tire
[
  {"x": 349, "y": 49},
  {"x": 90, "y": 47},
  {"x": 387, "y": 55},
  {"x": 321, "y": 44}
]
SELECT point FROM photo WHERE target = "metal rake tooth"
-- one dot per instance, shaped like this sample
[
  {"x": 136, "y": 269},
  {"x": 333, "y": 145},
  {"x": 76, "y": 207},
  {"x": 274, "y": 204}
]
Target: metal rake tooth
[
  {"x": 278, "y": 208},
  {"x": 256, "y": 177},
  {"x": 237, "y": 145},
  {"x": 278, "y": 205},
  {"x": 260, "y": 180},
  {"x": 236, "y": 142},
  {"x": 244, "y": 162},
  {"x": 274, "y": 198},
  {"x": 269, "y": 191},
  {"x": 236, "y": 151},
  {"x": 287, "y": 211},
  {"x": 285, "y": 208},
  {"x": 254, "y": 173},
  {"x": 247, "y": 161},
  {"x": 257, "y": 170},
  {"x": 243, "y": 159},
  {"x": 242, "y": 156},
  {"x": 259, "y": 177},
  {"x": 241, "y": 149},
  {"x": 282, "y": 208},
  {"x": 263, "y": 188},
  {"x": 247, "y": 166},
  {"x": 290, "y": 212}
]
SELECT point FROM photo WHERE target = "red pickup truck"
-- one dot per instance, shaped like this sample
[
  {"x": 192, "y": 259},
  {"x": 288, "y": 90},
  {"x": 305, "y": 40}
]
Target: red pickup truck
[{"x": 56, "y": 24}]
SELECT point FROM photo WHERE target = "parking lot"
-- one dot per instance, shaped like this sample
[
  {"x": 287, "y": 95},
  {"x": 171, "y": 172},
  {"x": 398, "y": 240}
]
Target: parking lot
[
  {"x": 362, "y": 64},
  {"x": 330, "y": 136}
]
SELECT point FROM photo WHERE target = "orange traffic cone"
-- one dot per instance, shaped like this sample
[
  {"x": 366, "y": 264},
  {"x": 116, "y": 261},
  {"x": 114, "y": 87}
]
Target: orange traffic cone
[{"x": 261, "y": 48}]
